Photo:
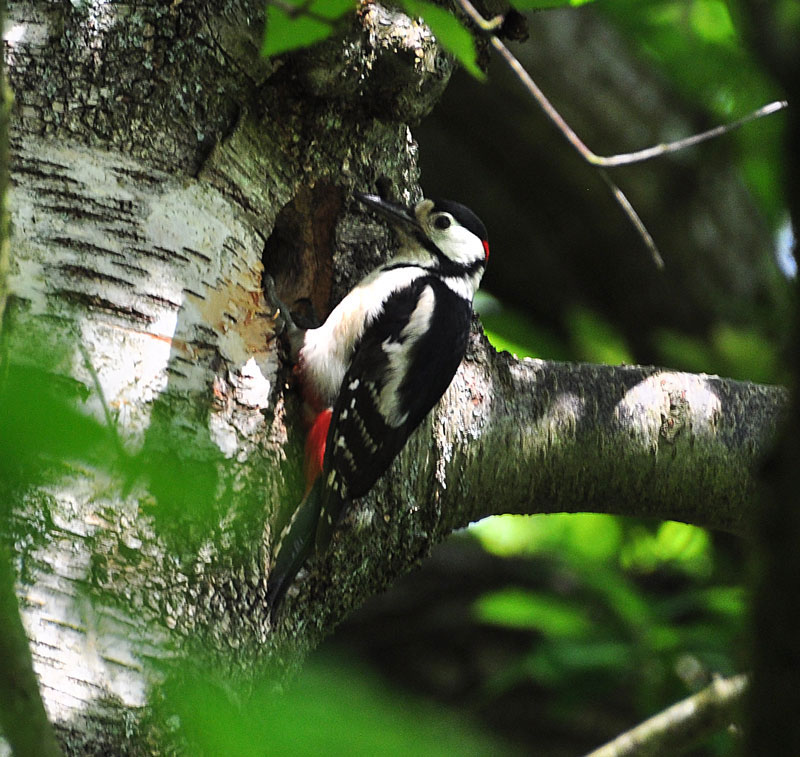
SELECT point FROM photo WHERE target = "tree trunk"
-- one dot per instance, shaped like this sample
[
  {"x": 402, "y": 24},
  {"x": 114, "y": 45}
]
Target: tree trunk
[
  {"x": 154, "y": 154},
  {"x": 158, "y": 164}
]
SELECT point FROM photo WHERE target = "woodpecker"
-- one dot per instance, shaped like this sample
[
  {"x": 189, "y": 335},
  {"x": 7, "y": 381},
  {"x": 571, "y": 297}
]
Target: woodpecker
[{"x": 378, "y": 364}]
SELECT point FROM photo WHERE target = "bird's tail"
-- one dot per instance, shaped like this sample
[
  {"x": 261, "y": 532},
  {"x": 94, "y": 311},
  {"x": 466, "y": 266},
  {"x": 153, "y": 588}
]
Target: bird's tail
[{"x": 293, "y": 547}]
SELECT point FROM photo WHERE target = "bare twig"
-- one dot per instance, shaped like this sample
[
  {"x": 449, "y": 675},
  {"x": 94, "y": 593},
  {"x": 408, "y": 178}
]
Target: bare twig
[
  {"x": 630, "y": 211},
  {"x": 625, "y": 159},
  {"x": 682, "y": 724},
  {"x": 588, "y": 155}
]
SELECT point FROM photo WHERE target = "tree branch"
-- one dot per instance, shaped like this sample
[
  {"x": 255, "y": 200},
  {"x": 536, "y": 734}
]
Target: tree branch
[
  {"x": 530, "y": 436},
  {"x": 533, "y": 436},
  {"x": 682, "y": 724}
]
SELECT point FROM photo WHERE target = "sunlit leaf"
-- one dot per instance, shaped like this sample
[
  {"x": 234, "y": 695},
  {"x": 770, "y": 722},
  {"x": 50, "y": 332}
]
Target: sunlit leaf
[
  {"x": 746, "y": 354},
  {"x": 517, "y": 608},
  {"x": 584, "y": 536},
  {"x": 726, "y": 600},
  {"x": 686, "y": 353},
  {"x": 711, "y": 20},
  {"x": 286, "y": 31},
  {"x": 680, "y": 541},
  {"x": 514, "y": 331},
  {"x": 449, "y": 32},
  {"x": 678, "y": 544}
]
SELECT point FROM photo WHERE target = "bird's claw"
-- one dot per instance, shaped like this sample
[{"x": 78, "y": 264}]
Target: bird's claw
[
  {"x": 279, "y": 310},
  {"x": 282, "y": 318}
]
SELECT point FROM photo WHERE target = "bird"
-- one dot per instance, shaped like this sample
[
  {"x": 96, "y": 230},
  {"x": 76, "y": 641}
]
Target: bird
[{"x": 378, "y": 364}]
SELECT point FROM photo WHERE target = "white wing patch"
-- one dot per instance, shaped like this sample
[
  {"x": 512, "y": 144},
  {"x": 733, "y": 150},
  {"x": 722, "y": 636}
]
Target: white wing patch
[
  {"x": 327, "y": 350},
  {"x": 398, "y": 355}
]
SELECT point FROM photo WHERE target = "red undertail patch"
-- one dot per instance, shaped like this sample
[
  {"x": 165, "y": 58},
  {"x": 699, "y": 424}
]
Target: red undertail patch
[{"x": 315, "y": 446}]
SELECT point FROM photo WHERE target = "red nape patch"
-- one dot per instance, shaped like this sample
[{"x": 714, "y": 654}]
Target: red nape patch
[
  {"x": 486, "y": 248},
  {"x": 315, "y": 446}
]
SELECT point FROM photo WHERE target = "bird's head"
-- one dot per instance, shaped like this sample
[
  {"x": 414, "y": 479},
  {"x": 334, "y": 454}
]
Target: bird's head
[{"x": 445, "y": 232}]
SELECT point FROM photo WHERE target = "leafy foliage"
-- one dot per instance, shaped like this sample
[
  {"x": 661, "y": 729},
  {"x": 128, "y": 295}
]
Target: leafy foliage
[
  {"x": 294, "y": 24},
  {"x": 331, "y": 709},
  {"x": 297, "y": 24},
  {"x": 449, "y": 32},
  {"x": 645, "y": 608}
]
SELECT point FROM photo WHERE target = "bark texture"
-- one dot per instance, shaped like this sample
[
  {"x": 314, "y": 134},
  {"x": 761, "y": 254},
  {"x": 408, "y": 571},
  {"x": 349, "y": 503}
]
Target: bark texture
[
  {"x": 158, "y": 165},
  {"x": 154, "y": 155}
]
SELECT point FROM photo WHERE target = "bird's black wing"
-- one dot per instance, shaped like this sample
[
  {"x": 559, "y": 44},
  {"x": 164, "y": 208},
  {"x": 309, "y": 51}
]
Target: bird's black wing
[
  {"x": 402, "y": 366},
  {"x": 293, "y": 548}
]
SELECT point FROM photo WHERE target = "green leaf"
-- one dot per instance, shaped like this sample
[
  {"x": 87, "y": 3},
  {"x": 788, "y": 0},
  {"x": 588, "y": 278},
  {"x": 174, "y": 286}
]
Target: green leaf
[
  {"x": 711, "y": 20},
  {"x": 333, "y": 9},
  {"x": 286, "y": 32},
  {"x": 517, "y": 608},
  {"x": 596, "y": 340},
  {"x": 449, "y": 32},
  {"x": 328, "y": 710},
  {"x": 512, "y": 330}
]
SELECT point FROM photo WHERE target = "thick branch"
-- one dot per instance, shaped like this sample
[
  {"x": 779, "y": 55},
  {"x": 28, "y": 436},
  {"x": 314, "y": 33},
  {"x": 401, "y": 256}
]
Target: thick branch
[{"x": 532, "y": 436}]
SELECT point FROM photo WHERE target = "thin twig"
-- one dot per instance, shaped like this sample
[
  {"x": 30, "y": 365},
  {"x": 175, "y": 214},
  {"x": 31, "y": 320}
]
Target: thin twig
[
  {"x": 682, "y": 724},
  {"x": 630, "y": 211},
  {"x": 588, "y": 155},
  {"x": 625, "y": 159}
]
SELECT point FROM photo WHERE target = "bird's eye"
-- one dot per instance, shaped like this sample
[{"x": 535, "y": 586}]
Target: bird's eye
[{"x": 442, "y": 222}]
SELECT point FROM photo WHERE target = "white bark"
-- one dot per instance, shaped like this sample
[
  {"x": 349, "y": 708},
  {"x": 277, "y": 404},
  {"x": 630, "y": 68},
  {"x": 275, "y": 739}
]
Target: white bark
[{"x": 160, "y": 279}]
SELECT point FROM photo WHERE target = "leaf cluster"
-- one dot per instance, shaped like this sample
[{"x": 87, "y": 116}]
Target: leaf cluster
[{"x": 296, "y": 24}]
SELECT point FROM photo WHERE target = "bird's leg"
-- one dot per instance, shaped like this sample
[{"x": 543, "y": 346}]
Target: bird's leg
[{"x": 284, "y": 324}]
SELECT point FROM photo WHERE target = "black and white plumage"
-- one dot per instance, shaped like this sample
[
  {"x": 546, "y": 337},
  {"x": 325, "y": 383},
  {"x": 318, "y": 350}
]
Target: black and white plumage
[{"x": 382, "y": 359}]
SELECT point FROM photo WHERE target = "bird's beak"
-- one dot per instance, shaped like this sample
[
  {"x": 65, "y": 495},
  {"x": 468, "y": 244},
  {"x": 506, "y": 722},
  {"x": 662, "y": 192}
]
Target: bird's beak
[{"x": 397, "y": 215}]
